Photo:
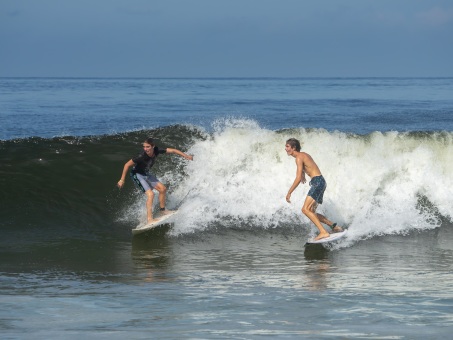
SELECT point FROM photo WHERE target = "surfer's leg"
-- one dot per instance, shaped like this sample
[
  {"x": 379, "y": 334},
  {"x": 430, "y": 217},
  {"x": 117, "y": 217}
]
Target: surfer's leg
[
  {"x": 149, "y": 205},
  {"x": 309, "y": 210},
  {"x": 316, "y": 192},
  {"x": 335, "y": 228},
  {"x": 162, "y": 189},
  {"x": 156, "y": 184}
]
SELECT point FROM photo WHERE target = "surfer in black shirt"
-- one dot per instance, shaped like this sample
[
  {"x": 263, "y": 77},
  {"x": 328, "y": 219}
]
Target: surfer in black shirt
[{"x": 146, "y": 181}]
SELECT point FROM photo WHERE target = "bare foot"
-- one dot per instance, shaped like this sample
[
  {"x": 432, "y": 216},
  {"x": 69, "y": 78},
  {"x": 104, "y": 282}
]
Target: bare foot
[
  {"x": 166, "y": 212},
  {"x": 154, "y": 220},
  {"x": 321, "y": 236},
  {"x": 336, "y": 228}
]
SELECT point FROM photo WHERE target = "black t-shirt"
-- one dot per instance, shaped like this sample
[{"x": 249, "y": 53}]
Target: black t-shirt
[{"x": 143, "y": 162}]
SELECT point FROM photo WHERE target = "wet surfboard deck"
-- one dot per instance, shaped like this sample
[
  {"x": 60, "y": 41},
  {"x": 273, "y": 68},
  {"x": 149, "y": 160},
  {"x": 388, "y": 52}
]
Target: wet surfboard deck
[
  {"x": 162, "y": 220},
  {"x": 331, "y": 238}
]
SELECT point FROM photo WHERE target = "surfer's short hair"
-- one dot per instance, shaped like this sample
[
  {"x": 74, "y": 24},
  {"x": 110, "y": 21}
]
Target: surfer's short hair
[
  {"x": 149, "y": 141},
  {"x": 293, "y": 143}
]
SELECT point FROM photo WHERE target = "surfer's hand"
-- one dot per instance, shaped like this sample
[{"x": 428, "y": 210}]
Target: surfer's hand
[
  {"x": 189, "y": 157},
  {"x": 288, "y": 198},
  {"x": 120, "y": 183}
]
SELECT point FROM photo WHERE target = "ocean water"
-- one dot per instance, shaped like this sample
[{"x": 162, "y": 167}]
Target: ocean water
[{"x": 233, "y": 264}]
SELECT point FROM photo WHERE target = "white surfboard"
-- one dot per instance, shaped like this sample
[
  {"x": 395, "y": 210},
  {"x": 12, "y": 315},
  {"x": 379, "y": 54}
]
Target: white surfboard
[
  {"x": 332, "y": 237},
  {"x": 162, "y": 220}
]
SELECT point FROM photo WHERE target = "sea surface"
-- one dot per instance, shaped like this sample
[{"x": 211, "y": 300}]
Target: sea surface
[{"x": 233, "y": 264}]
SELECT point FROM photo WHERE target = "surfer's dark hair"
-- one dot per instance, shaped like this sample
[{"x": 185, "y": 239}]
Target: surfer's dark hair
[
  {"x": 294, "y": 143},
  {"x": 149, "y": 141}
]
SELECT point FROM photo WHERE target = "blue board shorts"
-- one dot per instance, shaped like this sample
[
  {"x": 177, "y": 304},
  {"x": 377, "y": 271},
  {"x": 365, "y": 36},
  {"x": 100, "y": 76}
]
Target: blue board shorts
[
  {"x": 144, "y": 182},
  {"x": 318, "y": 186}
]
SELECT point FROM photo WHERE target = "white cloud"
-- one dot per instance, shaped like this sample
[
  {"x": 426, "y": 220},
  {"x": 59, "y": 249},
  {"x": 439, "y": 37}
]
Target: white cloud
[{"x": 436, "y": 16}]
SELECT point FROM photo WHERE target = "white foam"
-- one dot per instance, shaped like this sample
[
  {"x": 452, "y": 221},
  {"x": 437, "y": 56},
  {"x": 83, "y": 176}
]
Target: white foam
[{"x": 242, "y": 173}]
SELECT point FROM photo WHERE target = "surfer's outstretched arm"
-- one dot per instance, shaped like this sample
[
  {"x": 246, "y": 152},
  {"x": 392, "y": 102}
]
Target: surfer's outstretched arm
[
  {"x": 125, "y": 170},
  {"x": 180, "y": 153}
]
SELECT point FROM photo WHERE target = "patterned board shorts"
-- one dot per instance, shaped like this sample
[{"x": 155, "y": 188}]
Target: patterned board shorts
[
  {"x": 318, "y": 186},
  {"x": 143, "y": 182}
]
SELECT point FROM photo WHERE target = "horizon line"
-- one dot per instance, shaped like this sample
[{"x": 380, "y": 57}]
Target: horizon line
[{"x": 225, "y": 77}]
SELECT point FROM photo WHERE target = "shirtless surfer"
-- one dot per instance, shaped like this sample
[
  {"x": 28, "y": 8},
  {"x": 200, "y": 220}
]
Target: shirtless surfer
[
  {"x": 146, "y": 181},
  {"x": 306, "y": 165}
]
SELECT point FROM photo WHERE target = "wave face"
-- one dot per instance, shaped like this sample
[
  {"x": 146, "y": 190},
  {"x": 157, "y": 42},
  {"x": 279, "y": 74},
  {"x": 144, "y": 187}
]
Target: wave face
[
  {"x": 66, "y": 186},
  {"x": 380, "y": 183}
]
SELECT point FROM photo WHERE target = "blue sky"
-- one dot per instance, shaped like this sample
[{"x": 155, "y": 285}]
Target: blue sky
[{"x": 226, "y": 38}]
